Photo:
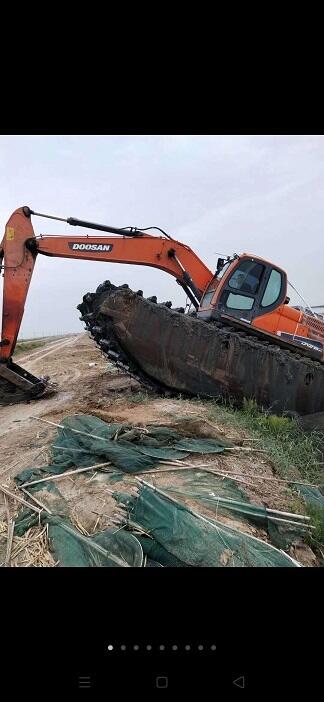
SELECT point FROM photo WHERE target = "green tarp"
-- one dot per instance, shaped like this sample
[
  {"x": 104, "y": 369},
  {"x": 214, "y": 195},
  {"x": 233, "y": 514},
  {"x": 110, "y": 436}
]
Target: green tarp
[
  {"x": 129, "y": 449},
  {"x": 169, "y": 534},
  {"x": 312, "y": 495},
  {"x": 197, "y": 541},
  {"x": 109, "y": 548}
]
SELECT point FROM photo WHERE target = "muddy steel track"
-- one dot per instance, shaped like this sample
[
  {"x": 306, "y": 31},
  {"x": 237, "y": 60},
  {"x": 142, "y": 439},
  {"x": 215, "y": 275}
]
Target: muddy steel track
[{"x": 167, "y": 350}]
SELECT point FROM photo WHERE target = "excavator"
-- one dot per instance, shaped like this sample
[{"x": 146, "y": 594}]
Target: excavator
[{"x": 239, "y": 338}]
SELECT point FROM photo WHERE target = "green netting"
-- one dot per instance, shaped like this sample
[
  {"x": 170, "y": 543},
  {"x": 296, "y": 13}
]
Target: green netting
[
  {"x": 128, "y": 448},
  {"x": 225, "y": 496},
  {"x": 25, "y": 520},
  {"x": 85, "y": 441},
  {"x": 196, "y": 541},
  {"x": 201, "y": 482},
  {"x": 311, "y": 495},
  {"x": 158, "y": 554},
  {"x": 283, "y": 536},
  {"x": 179, "y": 537},
  {"x": 109, "y": 548},
  {"x": 195, "y": 445}
]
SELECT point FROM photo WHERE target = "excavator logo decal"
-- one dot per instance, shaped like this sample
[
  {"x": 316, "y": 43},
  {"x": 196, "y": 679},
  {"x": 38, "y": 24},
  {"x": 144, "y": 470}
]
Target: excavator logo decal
[
  {"x": 10, "y": 233},
  {"x": 81, "y": 246}
]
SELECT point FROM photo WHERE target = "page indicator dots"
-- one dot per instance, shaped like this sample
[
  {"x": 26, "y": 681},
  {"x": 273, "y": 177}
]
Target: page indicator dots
[{"x": 162, "y": 647}]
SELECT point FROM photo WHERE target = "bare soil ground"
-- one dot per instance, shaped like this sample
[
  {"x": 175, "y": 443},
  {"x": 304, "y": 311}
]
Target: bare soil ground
[{"x": 86, "y": 384}]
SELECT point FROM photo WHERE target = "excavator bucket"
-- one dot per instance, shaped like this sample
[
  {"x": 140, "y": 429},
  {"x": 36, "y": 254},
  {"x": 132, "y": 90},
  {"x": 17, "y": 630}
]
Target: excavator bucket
[
  {"x": 17, "y": 384},
  {"x": 166, "y": 349}
]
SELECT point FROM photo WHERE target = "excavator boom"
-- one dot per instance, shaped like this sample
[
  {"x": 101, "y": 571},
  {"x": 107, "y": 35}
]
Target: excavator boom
[{"x": 20, "y": 247}]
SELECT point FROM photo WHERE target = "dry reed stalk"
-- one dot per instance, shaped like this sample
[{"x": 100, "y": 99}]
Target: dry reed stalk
[
  {"x": 19, "y": 499},
  {"x": 38, "y": 502},
  {"x": 11, "y": 528},
  {"x": 76, "y": 431}
]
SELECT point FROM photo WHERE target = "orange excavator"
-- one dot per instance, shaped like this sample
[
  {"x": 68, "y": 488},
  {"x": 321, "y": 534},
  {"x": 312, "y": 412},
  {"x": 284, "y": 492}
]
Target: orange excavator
[{"x": 241, "y": 338}]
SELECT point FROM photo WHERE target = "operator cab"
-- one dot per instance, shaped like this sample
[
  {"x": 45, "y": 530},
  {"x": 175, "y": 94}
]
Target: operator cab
[{"x": 244, "y": 287}]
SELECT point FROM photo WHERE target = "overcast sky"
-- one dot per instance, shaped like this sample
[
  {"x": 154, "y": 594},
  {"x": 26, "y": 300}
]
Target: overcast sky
[{"x": 261, "y": 194}]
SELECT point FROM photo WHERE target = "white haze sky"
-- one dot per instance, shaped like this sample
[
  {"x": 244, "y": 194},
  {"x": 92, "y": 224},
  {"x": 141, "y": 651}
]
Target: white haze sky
[{"x": 261, "y": 194}]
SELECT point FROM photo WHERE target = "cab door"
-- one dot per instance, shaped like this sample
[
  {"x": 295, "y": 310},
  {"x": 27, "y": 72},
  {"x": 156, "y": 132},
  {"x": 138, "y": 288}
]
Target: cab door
[
  {"x": 240, "y": 292},
  {"x": 254, "y": 289}
]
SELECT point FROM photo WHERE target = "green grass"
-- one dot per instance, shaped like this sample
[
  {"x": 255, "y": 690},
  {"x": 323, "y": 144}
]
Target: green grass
[
  {"x": 285, "y": 443},
  {"x": 138, "y": 398},
  {"x": 131, "y": 398},
  {"x": 317, "y": 520},
  {"x": 35, "y": 343},
  {"x": 295, "y": 454},
  {"x": 22, "y": 346}
]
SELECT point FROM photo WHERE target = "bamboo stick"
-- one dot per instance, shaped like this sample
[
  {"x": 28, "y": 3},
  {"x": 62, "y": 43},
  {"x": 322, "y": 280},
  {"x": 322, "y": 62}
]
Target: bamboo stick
[
  {"x": 288, "y": 521},
  {"x": 236, "y": 438},
  {"x": 236, "y": 503},
  {"x": 203, "y": 467},
  {"x": 227, "y": 474},
  {"x": 76, "y": 431},
  {"x": 231, "y": 448},
  {"x": 66, "y": 474},
  {"x": 243, "y": 448},
  {"x": 7, "y": 508},
  {"x": 67, "y": 448},
  {"x": 176, "y": 462},
  {"x": 267, "y": 510},
  {"x": 38, "y": 502},
  {"x": 288, "y": 514},
  {"x": 19, "y": 499},
  {"x": 11, "y": 528},
  {"x": 162, "y": 470},
  {"x": 264, "y": 477}
]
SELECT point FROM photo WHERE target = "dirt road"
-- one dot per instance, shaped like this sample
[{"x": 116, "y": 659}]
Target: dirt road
[
  {"x": 56, "y": 360},
  {"x": 76, "y": 366}
]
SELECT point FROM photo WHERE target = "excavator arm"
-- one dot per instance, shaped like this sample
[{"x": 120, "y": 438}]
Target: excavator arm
[{"x": 20, "y": 247}]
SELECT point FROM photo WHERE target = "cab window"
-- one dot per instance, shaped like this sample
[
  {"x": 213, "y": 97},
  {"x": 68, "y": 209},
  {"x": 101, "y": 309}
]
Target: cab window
[
  {"x": 239, "y": 302},
  {"x": 207, "y": 298},
  {"x": 247, "y": 277},
  {"x": 273, "y": 289}
]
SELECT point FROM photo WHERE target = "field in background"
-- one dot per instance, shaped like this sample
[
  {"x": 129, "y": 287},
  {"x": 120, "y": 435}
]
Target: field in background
[{"x": 37, "y": 342}]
